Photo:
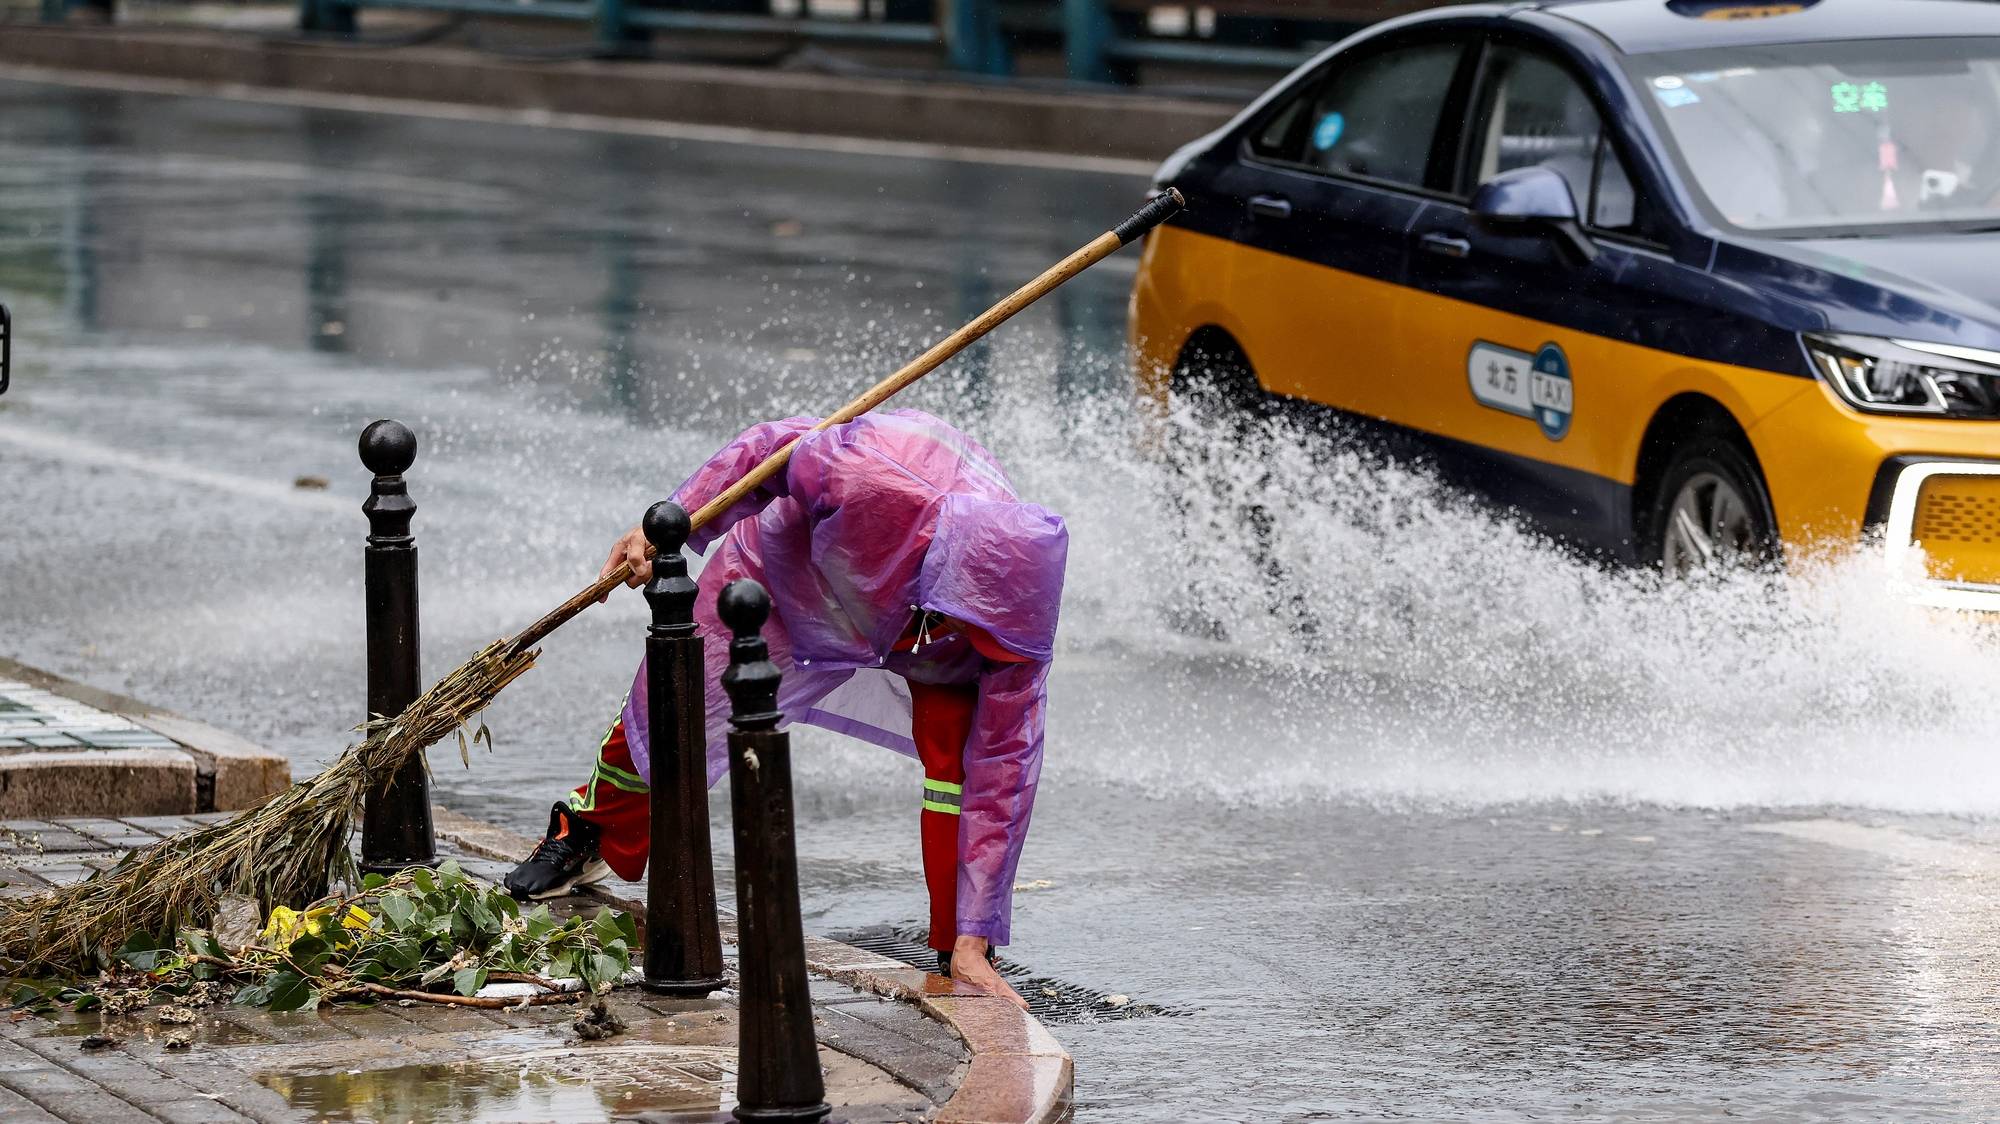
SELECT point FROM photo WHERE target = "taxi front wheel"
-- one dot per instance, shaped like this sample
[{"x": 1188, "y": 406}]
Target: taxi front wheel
[
  {"x": 1217, "y": 482},
  {"x": 1212, "y": 381},
  {"x": 1711, "y": 513}
]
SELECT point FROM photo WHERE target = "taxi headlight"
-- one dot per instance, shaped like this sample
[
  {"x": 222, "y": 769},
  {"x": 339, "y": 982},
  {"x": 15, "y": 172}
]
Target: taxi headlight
[{"x": 1883, "y": 376}]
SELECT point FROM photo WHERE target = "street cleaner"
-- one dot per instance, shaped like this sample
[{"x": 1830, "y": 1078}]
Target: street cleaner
[{"x": 914, "y": 602}]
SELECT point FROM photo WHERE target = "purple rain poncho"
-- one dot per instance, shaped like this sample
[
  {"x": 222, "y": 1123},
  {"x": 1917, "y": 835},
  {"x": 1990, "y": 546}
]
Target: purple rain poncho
[{"x": 869, "y": 522}]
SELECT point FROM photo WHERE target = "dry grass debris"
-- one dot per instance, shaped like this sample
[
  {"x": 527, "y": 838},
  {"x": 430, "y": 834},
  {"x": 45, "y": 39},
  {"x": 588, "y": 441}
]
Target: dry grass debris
[{"x": 286, "y": 851}]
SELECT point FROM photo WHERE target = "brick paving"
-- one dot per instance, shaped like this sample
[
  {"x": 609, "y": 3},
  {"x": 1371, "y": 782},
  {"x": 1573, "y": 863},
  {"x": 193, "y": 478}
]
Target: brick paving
[
  {"x": 884, "y": 1061},
  {"x": 38, "y": 854}
]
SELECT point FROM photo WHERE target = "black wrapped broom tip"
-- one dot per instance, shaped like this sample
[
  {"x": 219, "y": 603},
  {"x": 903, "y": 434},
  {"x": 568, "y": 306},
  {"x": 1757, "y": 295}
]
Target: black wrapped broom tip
[{"x": 1157, "y": 210}]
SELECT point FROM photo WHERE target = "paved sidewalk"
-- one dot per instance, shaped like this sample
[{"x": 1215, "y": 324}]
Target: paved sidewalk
[
  {"x": 69, "y": 749},
  {"x": 1015, "y": 1073},
  {"x": 884, "y": 1060},
  {"x": 897, "y": 1043},
  {"x": 36, "y": 855}
]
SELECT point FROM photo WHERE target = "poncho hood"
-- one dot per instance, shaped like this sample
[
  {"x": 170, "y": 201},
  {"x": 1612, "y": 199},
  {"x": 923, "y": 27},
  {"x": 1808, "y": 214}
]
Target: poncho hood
[{"x": 998, "y": 564}]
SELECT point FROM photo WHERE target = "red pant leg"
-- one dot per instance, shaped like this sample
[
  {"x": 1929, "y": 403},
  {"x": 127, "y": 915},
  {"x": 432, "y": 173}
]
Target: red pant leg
[
  {"x": 614, "y": 800},
  {"x": 942, "y": 720}
]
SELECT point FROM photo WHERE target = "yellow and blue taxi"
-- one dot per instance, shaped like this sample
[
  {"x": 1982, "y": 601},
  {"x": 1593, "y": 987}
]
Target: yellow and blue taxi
[{"x": 1683, "y": 282}]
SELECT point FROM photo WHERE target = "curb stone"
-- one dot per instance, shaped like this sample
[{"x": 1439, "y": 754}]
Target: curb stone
[
  {"x": 110, "y": 755},
  {"x": 98, "y": 782}
]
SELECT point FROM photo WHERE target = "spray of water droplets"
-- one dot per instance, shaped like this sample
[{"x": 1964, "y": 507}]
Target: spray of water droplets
[{"x": 1278, "y": 613}]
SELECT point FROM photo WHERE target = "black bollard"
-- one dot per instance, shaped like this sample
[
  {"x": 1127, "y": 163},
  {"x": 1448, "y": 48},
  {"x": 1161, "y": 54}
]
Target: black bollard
[
  {"x": 396, "y": 818},
  {"x": 777, "y": 1059},
  {"x": 683, "y": 940}
]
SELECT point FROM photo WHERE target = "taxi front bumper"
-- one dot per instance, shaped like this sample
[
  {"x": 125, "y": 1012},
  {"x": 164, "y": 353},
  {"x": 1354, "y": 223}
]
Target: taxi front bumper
[
  {"x": 1941, "y": 538},
  {"x": 1924, "y": 492}
]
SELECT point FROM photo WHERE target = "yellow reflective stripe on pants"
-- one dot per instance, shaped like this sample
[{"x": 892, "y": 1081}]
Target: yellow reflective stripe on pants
[
  {"x": 942, "y": 796},
  {"x": 619, "y": 778},
  {"x": 609, "y": 774}
]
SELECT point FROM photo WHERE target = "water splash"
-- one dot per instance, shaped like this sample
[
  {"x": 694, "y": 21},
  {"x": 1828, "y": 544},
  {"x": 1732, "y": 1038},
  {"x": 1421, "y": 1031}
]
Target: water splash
[{"x": 1393, "y": 641}]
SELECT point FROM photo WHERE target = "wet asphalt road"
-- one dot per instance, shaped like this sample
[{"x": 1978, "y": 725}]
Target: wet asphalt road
[{"x": 1500, "y": 837}]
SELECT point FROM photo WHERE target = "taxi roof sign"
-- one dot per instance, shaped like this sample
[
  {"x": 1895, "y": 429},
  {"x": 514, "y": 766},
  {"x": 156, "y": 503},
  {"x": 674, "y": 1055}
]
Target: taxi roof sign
[{"x": 1736, "y": 9}]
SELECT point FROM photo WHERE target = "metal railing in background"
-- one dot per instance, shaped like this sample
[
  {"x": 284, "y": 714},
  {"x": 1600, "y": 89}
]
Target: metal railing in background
[
  {"x": 968, "y": 30},
  {"x": 1101, "y": 41},
  {"x": 1107, "y": 40},
  {"x": 54, "y": 11},
  {"x": 6, "y": 348}
]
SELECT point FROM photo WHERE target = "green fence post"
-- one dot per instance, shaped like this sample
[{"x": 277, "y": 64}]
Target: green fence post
[
  {"x": 972, "y": 34},
  {"x": 328, "y": 17},
  {"x": 1087, "y": 35},
  {"x": 615, "y": 36}
]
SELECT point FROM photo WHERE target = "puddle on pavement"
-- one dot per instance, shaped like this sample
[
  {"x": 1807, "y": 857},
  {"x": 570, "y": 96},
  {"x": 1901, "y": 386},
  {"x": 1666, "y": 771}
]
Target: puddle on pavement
[{"x": 565, "y": 1086}]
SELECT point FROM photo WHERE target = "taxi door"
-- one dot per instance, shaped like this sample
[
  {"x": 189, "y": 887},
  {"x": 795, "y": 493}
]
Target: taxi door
[
  {"x": 1514, "y": 333},
  {"x": 1329, "y": 184}
]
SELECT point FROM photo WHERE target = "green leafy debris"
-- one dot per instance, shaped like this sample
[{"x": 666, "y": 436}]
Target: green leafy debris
[{"x": 402, "y": 937}]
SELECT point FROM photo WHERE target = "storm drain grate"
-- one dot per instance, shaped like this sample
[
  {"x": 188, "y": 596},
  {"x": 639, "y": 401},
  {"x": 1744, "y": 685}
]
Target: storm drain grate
[{"x": 1050, "y": 1000}]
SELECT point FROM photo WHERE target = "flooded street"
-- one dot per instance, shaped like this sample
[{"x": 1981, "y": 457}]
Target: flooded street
[{"x": 1438, "y": 822}]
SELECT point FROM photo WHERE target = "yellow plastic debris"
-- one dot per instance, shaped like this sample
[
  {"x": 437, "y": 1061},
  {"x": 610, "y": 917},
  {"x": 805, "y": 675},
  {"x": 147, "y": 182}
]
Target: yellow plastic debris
[{"x": 287, "y": 924}]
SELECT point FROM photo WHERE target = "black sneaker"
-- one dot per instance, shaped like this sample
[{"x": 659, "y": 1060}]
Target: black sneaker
[{"x": 565, "y": 858}]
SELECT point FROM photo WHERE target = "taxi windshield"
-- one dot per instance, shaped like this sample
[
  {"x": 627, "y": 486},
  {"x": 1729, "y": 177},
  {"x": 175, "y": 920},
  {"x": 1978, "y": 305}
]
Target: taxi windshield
[{"x": 1850, "y": 138}]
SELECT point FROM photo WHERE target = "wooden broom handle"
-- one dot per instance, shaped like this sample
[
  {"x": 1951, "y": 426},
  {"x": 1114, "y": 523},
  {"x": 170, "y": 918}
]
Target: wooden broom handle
[{"x": 1156, "y": 211}]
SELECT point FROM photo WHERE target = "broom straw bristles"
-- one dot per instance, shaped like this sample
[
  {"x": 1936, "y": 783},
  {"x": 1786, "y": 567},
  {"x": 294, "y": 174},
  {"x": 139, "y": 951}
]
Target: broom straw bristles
[{"x": 285, "y": 851}]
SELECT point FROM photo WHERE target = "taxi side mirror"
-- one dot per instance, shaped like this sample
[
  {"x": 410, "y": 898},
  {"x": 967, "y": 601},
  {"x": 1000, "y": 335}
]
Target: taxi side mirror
[{"x": 1536, "y": 195}]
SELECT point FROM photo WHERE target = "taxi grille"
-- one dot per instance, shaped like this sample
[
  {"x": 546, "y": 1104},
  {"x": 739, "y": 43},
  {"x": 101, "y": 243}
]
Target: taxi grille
[{"x": 1958, "y": 526}]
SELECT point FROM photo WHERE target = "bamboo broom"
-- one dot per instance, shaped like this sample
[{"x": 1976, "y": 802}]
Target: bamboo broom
[{"x": 289, "y": 848}]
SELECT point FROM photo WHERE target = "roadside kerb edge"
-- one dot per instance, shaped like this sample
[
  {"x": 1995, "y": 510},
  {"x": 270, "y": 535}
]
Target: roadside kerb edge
[{"x": 228, "y": 773}]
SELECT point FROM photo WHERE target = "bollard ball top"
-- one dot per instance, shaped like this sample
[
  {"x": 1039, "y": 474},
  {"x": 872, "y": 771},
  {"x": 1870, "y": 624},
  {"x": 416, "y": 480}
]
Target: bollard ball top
[
  {"x": 744, "y": 607},
  {"x": 388, "y": 448},
  {"x": 667, "y": 526}
]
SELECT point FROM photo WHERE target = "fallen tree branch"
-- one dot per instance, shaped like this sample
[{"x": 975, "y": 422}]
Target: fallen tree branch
[
  {"x": 542, "y": 982},
  {"x": 365, "y": 987}
]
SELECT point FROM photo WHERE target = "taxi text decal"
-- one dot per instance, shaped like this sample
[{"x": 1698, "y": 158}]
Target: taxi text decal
[{"x": 1530, "y": 386}]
